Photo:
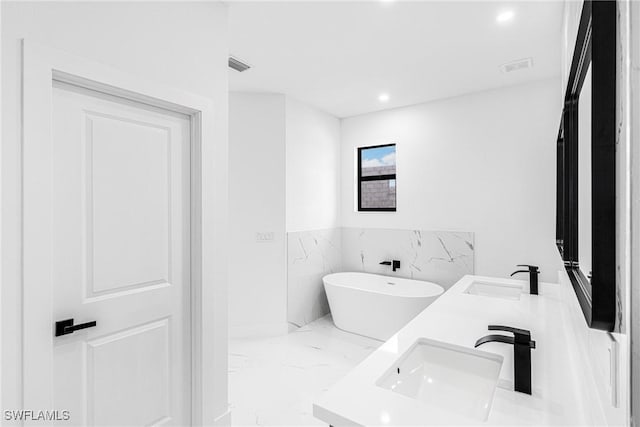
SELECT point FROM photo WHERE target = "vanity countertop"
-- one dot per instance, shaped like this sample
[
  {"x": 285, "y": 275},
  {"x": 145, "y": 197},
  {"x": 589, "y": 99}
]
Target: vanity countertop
[{"x": 558, "y": 379}]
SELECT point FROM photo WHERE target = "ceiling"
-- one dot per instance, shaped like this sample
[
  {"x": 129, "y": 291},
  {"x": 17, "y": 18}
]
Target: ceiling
[{"x": 340, "y": 56}]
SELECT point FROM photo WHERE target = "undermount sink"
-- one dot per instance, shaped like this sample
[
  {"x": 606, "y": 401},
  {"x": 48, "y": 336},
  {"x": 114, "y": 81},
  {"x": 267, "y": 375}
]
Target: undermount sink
[
  {"x": 446, "y": 376},
  {"x": 495, "y": 290}
]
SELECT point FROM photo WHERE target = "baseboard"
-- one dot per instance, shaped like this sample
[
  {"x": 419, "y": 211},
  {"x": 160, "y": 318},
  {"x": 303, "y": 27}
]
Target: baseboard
[{"x": 258, "y": 331}]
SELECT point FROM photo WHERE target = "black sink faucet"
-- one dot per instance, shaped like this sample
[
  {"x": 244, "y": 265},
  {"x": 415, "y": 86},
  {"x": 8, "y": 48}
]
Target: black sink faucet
[
  {"x": 395, "y": 264},
  {"x": 522, "y": 345},
  {"x": 533, "y": 277}
]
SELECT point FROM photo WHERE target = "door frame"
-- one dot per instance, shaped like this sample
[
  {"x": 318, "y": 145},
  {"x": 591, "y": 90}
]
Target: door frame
[{"x": 41, "y": 66}]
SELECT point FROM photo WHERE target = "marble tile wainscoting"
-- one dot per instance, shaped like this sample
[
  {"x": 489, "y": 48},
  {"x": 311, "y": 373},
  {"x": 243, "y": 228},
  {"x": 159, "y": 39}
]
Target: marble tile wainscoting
[
  {"x": 442, "y": 257},
  {"x": 310, "y": 256}
]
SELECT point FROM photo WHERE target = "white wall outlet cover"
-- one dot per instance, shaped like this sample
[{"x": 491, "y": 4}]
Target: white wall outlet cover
[{"x": 265, "y": 236}]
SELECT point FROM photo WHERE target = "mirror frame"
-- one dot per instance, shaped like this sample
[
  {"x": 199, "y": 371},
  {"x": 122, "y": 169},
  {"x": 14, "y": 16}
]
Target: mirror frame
[{"x": 595, "y": 46}]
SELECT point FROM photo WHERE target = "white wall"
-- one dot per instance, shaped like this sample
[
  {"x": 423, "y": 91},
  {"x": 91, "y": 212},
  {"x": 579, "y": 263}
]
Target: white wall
[
  {"x": 483, "y": 162},
  {"x": 257, "y": 279},
  {"x": 182, "y": 45},
  {"x": 284, "y": 176},
  {"x": 312, "y": 208},
  {"x": 313, "y": 168},
  {"x": 625, "y": 256},
  {"x": 634, "y": 138}
]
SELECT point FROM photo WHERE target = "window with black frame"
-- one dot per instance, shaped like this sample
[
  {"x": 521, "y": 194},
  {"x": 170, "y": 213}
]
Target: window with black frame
[{"x": 377, "y": 178}]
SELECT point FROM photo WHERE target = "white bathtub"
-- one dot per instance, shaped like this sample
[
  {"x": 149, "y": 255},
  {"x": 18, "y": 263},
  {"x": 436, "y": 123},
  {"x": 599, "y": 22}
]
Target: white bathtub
[{"x": 376, "y": 306}]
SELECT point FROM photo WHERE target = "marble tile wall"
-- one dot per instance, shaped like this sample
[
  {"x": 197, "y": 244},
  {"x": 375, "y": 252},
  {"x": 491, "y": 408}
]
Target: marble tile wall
[
  {"x": 310, "y": 256},
  {"x": 442, "y": 257}
]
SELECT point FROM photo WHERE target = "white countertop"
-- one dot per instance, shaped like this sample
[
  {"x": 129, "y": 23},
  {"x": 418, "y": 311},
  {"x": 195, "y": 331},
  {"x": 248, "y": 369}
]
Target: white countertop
[{"x": 460, "y": 318}]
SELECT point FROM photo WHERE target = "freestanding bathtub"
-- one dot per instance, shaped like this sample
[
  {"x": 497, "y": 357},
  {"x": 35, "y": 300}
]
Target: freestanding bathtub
[{"x": 376, "y": 306}]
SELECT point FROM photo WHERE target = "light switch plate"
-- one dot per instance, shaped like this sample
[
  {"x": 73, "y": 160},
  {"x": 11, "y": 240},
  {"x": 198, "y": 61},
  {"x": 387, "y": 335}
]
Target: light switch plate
[{"x": 264, "y": 236}]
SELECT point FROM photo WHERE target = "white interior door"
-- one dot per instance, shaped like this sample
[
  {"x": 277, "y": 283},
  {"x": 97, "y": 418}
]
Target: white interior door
[{"x": 121, "y": 258}]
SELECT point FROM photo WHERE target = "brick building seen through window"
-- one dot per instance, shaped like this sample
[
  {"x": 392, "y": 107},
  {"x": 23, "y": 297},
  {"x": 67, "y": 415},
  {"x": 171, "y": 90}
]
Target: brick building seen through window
[{"x": 377, "y": 178}]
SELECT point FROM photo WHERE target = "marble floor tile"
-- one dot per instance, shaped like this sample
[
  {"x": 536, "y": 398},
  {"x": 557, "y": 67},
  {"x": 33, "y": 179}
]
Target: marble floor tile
[{"x": 274, "y": 381}]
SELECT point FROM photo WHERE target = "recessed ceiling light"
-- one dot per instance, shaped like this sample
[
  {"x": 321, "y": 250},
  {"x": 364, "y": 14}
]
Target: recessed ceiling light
[
  {"x": 383, "y": 97},
  {"x": 505, "y": 16}
]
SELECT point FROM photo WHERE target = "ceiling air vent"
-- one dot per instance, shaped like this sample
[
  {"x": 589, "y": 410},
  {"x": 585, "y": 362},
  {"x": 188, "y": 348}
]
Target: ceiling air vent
[
  {"x": 520, "y": 64},
  {"x": 238, "y": 65}
]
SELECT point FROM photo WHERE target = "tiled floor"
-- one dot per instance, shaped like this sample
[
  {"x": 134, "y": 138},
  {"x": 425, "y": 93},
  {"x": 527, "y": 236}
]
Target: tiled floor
[{"x": 273, "y": 381}]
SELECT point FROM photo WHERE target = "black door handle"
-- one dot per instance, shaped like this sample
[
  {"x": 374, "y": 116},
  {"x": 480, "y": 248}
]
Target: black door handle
[{"x": 64, "y": 327}]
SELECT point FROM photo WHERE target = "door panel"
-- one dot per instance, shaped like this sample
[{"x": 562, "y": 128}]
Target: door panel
[
  {"x": 109, "y": 368},
  {"x": 130, "y": 209},
  {"x": 121, "y": 213}
]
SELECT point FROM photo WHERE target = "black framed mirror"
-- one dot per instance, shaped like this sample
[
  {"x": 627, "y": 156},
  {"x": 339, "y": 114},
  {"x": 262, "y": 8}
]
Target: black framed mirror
[
  {"x": 560, "y": 184},
  {"x": 585, "y": 208}
]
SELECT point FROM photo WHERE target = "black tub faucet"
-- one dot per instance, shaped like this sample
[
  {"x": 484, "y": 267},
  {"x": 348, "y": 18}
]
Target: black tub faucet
[
  {"x": 395, "y": 264},
  {"x": 533, "y": 277},
  {"x": 522, "y": 345}
]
